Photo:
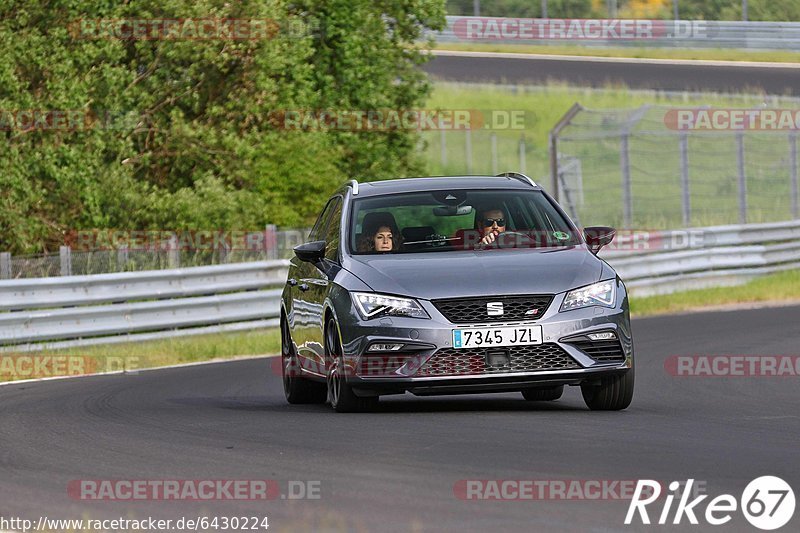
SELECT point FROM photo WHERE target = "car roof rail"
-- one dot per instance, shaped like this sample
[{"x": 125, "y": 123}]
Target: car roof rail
[
  {"x": 519, "y": 176},
  {"x": 354, "y": 185}
]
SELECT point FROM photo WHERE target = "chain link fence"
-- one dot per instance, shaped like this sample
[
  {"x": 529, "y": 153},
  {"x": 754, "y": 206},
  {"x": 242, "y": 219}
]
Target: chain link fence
[
  {"x": 643, "y": 167},
  {"x": 172, "y": 253},
  {"x": 663, "y": 167}
]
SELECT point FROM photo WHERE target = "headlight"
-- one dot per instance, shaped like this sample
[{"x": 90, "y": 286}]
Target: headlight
[
  {"x": 603, "y": 294},
  {"x": 372, "y": 305}
]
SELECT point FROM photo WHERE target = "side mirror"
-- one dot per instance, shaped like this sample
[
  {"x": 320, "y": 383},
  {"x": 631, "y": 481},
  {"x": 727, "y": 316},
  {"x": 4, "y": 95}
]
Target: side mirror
[
  {"x": 311, "y": 252},
  {"x": 598, "y": 236}
]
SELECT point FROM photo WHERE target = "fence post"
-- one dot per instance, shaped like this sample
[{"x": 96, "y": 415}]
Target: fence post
[
  {"x": 173, "y": 253},
  {"x": 468, "y": 149},
  {"x": 443, "y": 147},
  {"x": 742, "y": 178},
  {"x": 5, "y": 265},
  {"x": 122, "y": 257},
  {"x": 65, "y": 254},
  {"x": 553, "y": 144},
  {"x": 686, "y": 197},
  {"x": 627, "y": 196},
  {"x": 223, "y": 252},
  {"x": 493, "y": 138},
  {"x": 271, "y": 241},
  {"x": 793, "y": 173},
  {"x": 522, "y": 155}
]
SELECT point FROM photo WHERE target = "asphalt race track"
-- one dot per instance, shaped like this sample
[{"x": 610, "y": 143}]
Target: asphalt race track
[
  {"x": 395, "y": 470},
  {"x": 636, "y": 74}
]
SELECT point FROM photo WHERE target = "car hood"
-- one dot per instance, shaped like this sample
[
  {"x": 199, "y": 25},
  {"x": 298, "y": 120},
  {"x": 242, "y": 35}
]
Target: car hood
[{"x": 489, "y": 272}]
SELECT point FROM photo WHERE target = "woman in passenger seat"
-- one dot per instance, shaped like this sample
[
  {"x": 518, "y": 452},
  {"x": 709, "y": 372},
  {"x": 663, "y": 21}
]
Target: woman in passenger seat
[{"x": 380, "y": 234}]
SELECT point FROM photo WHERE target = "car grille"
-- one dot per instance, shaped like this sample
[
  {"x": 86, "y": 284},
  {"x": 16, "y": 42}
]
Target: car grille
[
  {"x": 535, "y": 358},
  {"x": 380, "y": 365},
  {"x": 474, "y": 310},
  {"x": 602, "y": 351}
]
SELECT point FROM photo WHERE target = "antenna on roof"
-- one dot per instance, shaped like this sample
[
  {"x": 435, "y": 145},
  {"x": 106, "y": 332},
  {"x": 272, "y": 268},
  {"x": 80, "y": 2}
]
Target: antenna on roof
[
  {"x": 354, "y": 185},
  {"x": 519, "y": 176}
]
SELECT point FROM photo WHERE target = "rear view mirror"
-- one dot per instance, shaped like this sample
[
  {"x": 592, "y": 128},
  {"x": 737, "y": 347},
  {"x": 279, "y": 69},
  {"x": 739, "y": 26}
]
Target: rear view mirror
[
  {"x": 598, "y": 236},
  {"x": 452, "y": 210},
  {"x": 311, "y": 252}
]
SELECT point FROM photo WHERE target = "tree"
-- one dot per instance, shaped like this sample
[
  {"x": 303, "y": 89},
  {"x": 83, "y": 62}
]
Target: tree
[{"x": 176, "y": 133}]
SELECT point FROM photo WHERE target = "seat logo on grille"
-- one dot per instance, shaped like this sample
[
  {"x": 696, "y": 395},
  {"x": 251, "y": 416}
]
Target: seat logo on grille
[{"x": 494, "y": 308}]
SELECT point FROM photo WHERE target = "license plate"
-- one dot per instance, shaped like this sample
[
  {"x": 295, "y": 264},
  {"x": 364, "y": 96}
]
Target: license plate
[{"x": 495, "y": 337}]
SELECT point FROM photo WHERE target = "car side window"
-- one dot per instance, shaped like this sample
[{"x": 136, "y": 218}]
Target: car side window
[
  {"x": 316, "y": 233},
  {"x": 333, "y": 230}
]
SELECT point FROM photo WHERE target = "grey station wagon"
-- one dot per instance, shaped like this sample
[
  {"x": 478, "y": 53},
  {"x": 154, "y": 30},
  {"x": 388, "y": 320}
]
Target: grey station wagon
[{"x": 453, "y": 285}]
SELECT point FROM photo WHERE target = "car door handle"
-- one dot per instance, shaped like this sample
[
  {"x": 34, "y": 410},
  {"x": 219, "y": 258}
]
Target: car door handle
[
  {"x": 303, "y": 287},
  {"x": 292, "y": 282}
]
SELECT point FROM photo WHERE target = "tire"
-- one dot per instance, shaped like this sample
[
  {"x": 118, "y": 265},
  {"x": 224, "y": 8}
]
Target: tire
[
  {"x": 613, "y": 394},
  {"x": 543, "y": 395},
  {"x": 340, "y": 394},
  {"x": 298, "y": 390}
]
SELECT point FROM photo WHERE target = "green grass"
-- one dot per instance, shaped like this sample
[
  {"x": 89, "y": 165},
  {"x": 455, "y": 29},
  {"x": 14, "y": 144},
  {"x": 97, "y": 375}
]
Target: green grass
[
  {"x": 780, "y": 287},
  {"x": 163, "y": 352},
  {"x": 654, "y": 152},
  {"x": 714, "y": 54}
]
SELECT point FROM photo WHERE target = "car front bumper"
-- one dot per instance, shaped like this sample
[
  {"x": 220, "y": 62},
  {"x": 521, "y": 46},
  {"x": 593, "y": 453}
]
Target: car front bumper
[{"x": 426, "y": 339}]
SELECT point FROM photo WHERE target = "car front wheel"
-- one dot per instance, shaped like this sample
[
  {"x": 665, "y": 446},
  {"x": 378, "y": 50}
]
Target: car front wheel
[
  {"x": 614, "y": 393},
  {"x": 340, "y": 394}
]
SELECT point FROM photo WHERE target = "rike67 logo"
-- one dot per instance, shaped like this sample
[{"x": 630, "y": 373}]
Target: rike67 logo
[{"x": 767, "y": 503}]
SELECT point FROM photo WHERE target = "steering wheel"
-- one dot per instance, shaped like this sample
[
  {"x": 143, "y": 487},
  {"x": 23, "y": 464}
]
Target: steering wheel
[{"x": 512, "y": 239}]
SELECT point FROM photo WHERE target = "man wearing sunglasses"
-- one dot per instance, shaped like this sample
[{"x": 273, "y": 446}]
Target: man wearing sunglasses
[
  {"x": 489, "y": 224},
  {"x": 493, "y": 223}
]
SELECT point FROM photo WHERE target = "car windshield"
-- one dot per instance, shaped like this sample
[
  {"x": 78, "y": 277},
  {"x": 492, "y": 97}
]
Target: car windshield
[{"x": 457, "y": 220}]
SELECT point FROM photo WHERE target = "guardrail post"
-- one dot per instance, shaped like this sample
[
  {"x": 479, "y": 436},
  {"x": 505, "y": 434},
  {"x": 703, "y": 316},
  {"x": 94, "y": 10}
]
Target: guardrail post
[
  {"x": 627, "y": 195},
  {"x": 685, "y": 196},
  {"x": 271, "y": 241},
  {"x": 468, "y": 149},
  {"x": 5, "y": 265},
  {"x": 122, "y": 257},
  {"x": 65, "y": 254},
  {"x": 522, "y": 158},
  {"x": 793, "y": 173},
  {"x": 742, "y": 178},
  {"x": 493, "y": 138},
  {"x": 173, "y": 253}
]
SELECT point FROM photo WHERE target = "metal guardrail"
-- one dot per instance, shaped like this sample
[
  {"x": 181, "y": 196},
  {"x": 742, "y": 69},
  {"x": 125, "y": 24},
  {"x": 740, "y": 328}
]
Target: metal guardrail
[
  {"x": 712, "y": 256},
  {"x": 80, "y": 310},
  {"x": 664, "y": 33},
  {"x": 33, "y": 293}
]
